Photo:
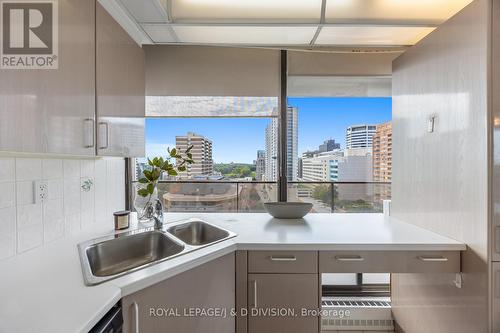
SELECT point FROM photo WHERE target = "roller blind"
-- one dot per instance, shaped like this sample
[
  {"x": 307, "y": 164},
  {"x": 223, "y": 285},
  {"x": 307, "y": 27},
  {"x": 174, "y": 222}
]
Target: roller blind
[
  {"x": 204, "y": 81},
  {"x": 340, "y": 64}
]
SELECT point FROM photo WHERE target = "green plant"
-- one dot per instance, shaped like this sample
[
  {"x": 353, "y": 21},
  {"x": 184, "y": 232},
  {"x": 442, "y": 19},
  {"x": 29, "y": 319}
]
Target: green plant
[{"x": 159, "y": 165}]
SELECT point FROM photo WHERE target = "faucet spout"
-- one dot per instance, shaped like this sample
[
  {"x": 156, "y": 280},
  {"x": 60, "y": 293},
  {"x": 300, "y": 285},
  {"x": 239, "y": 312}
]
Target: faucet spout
[{"x": 158, "y": 215}]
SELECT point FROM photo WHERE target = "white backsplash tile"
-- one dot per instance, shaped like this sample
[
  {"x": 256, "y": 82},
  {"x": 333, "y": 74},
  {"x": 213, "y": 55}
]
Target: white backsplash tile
[
  {"x": 71, "y": 169},
  {"x": 72, "y": 224},
  {"x": 28, "y": 168},
  {"x": 68, "y": 209},
  {"x": 56, "y": 188},
  {"x": 7, "y": 194},
  {"x": 7, "y": 169},
  {"x": 71, "y": 196},
  {"x": 52, "y": 168},
  {"x": 29, "y": 238},
  {"x": 7, "y": 232},
  {"x": 87, "y": 168},
  {"x": 24, "y": 191},
  {"x": 28, "y": 215}
]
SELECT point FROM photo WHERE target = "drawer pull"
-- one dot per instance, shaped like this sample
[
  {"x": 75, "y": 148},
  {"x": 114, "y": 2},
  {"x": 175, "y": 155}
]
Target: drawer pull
[
  {"x": 433, "y": 259},
  {"x": 349, "y": 258},
  {"x": 282, "y": 258}
]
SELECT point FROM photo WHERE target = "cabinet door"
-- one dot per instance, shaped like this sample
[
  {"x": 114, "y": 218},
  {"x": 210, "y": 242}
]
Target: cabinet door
[
  {"x": 282, "y": 292},
  {"x": 120, "y": 137},
  {"x": 211, "y": 285},
  {"x": 120, "y": 89},
  {"x": 53, "y": 110}
]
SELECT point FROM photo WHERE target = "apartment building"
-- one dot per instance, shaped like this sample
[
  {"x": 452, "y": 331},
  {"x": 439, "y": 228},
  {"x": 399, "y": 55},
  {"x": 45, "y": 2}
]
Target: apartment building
[
  {"x": 202, "y": 155},
  {"x": 382, "y": 153},
  {"x": 349, "y": 165},
  {"x": 359, "y": 136},
  {"x": 260, "y": 165},
  {"x": 292, "y": 161}
]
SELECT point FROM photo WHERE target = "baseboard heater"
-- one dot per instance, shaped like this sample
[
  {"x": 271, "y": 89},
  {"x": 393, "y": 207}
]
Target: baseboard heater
[{"x": 356, "y": 314}]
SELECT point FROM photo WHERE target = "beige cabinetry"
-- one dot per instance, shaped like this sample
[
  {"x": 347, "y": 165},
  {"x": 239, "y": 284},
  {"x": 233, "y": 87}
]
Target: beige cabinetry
[
  {"x": 93, "y": 103},
  {"x": 168, "y": 306},
  {"x": 53, "y": 110},
  {"x": 120, "y": 89},
  {"x": 281, "y": 285}
]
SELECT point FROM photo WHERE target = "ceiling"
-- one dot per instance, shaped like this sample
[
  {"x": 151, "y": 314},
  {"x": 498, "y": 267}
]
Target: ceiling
[{"x": 282, "y": 23}]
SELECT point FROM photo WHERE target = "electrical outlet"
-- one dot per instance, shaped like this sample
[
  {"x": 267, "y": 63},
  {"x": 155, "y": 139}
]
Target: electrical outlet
[{"x": 41, "y": 191}]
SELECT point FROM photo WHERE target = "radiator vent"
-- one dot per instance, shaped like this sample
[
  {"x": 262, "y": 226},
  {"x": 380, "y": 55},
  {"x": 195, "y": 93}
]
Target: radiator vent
[
  {"x": 359, "y": 314},
  {"x": 356, "y": 303},
  {"x": 355, "y": 323}
]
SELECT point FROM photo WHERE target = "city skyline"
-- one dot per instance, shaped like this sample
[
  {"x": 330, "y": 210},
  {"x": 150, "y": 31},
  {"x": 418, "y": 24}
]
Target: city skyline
[{"x": 319, "y": 119}]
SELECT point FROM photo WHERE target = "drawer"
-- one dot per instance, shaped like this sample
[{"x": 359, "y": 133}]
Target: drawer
[
  {"x": 282, "y": 262},
  {"x": 389, "y": 261}
]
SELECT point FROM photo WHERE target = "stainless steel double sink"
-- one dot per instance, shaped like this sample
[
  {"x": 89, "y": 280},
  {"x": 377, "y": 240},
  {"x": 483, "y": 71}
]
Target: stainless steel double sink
[{"x": 115, "y": 255}]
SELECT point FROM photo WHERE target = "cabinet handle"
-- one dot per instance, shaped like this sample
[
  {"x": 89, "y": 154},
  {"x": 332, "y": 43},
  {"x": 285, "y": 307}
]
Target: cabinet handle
[
  {"x": 106, "y": 136},
  {"x": 283, "y": 258},
  {"x": 254, "y": 304},
  {"x": 497, "y": 239},
  {"x": 135, "y": 309},
  {"x": 88, "y": 130},
  {"x": 349, "y": 258},
  {"x": 433, "y": 259}
]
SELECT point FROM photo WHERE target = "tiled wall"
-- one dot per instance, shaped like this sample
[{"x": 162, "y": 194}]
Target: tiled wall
[{"x": 69, "y": 208}]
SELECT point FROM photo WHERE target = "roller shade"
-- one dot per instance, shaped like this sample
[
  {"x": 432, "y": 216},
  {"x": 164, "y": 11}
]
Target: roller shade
[
  {"x": 204, "y": 81},
  {"x": 340, "y": 64},
  {"x": 211, "y": 71},
  {"x": 339, "y": 86}
]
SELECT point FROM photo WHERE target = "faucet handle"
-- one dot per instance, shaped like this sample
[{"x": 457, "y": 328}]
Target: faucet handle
[{"x": 158, "y": 207}]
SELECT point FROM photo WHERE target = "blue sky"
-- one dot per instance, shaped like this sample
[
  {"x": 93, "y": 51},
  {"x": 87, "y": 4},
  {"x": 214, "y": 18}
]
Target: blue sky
[{"x": 238, "y": 139}]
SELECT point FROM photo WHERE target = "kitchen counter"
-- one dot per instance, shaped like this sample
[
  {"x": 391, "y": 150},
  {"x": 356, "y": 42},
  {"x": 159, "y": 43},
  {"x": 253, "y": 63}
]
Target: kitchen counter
[{"x": 43, "y": 290}]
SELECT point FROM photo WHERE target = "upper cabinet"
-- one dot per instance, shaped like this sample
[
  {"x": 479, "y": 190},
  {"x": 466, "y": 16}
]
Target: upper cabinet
[
  {"x": 53, "y": 110},
  {"x": 91, "y": 104},
  {"x": 120, "y": 89}
]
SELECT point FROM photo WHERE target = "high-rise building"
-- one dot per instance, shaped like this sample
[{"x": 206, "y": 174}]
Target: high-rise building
[
  {"x": 328, "y": 145},
  {"x": 382, "y": 153},
  {"x": 359, "y": 136},
  {"x": 271, "y": 162},
  {"x": 202, "y": 155},
  {"x": 350, "y": 165},
  {"x": 260, "y": 165}
]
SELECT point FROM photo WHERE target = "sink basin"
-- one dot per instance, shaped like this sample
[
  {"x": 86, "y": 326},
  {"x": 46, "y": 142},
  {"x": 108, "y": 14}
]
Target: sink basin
[
  {"x": 117, "y": 256},
  {"x": 109, "y": 257},
  {"x": 198, "y": 233}
]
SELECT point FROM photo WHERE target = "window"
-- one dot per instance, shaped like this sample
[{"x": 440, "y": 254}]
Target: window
[{"x": 341, "y": 145}]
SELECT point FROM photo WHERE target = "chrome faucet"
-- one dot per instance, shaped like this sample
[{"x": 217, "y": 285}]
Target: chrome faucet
[{"x": 158, "y": 215}]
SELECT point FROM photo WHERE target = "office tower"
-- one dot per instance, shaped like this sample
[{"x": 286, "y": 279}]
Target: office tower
[
  {"x": 260, "y": 165},
  {"x": 328, "y": 145},
  {"x": 271, "y": 161},
  {"x": 349, "y": 165},
  {"x": 382, "y": 153},
  {"x": 359, "y": 136},
  {"x": 202, "y": 155}
]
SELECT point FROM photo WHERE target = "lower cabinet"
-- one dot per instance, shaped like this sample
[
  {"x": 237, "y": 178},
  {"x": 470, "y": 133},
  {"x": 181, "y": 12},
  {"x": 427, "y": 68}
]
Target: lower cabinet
[
  {"x": 170, "y": 306},
  {"x": 276, "y": 303}
]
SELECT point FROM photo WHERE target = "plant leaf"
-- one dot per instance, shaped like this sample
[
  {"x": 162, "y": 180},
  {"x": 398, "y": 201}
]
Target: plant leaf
[
  {"x": 143, "y": 192},
  {"x": 150, "y": 188},
  {"x": 173, "y": 152},
  {"x": 172, "y": 172},
  {"x": 181, "y": 168},
  {"x": 143, "y": 181},
  {"x": 148, "y": 174}
]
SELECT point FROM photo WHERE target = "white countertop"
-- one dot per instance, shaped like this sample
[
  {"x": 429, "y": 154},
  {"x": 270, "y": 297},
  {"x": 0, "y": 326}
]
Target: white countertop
[{"x": 43, "y": 290}]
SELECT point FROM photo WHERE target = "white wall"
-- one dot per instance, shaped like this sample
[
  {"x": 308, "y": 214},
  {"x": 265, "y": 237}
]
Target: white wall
[
  {"x": 25, "y": 225},
  {"x": 440, "y": 179}
]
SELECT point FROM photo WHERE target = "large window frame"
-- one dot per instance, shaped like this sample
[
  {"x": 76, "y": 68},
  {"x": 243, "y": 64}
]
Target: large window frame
[{"x": 282, "y": 182}]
